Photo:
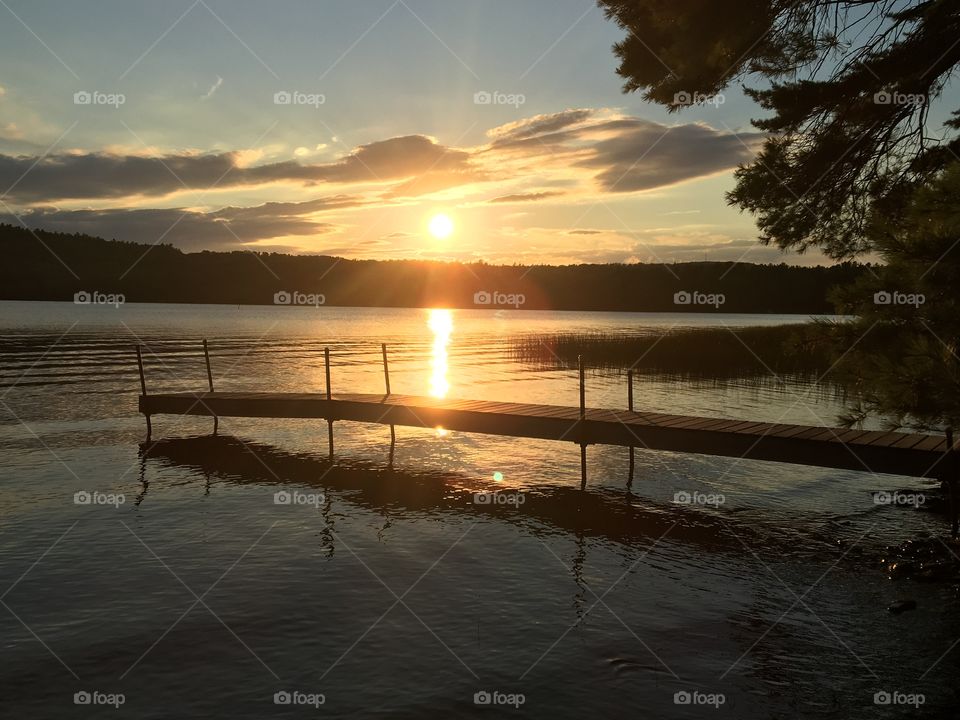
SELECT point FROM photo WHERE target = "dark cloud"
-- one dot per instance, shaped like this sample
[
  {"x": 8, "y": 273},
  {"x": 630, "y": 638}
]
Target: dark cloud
[
  {"x": 586, "y": 232},
  {"x": 642, "y": 155},
  {"x": 101, "y": 175},
  {"x": 226, "y": 229},
  {"x": 628, "y": 154},
  {"x": 104, "y": 176}
]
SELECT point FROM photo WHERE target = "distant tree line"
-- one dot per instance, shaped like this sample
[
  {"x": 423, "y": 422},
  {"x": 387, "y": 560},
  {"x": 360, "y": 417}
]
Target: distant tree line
[{"x": 44, "y": 265}]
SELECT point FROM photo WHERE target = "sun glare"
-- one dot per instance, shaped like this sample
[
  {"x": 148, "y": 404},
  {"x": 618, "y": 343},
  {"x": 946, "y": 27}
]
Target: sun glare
[{"x": 441, "y": 226}]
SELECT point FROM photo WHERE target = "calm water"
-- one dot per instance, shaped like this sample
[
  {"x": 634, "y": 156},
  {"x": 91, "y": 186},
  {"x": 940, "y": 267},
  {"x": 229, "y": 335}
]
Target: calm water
[{"x": 388, "y": 591}]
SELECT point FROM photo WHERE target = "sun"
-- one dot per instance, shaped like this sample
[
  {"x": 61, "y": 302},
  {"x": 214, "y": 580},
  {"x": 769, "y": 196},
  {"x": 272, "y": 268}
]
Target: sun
[{"x": 441, "y": 226}]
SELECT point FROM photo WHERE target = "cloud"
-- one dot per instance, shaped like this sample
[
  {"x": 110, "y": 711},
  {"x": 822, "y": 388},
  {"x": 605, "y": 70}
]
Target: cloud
[
  {"x": 595, "y": 150},
  {"x": 228, "y": 228},
  {"x": 104, "y": 175},
  {"x": 617, "y": 153},
  {"x": 643, "y": 155},
  {"x": 213, "y": 88},
  {"x": 540, "y": 124},
  {"x": 526, "y": 197},
  {"x": 432, "y": 182}
]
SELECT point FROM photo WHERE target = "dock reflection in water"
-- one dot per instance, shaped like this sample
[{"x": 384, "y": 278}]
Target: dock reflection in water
[{"x": 607, "y": 560}]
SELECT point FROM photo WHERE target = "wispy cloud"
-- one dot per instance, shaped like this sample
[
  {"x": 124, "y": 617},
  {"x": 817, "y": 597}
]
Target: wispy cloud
[
  {"x": 527, "y": 197},
  {"x": 213, "y": 88}
]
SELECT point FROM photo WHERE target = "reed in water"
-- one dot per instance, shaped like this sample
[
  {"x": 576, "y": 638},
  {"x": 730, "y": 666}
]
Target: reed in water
[{"x": 758, "y": 353}]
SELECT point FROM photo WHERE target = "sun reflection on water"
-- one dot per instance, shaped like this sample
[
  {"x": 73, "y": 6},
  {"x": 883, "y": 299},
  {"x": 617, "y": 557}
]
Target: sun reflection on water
[{"x": 441, "y": 323}]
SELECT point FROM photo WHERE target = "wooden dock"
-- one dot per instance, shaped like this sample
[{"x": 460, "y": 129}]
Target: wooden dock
[{"x": 909, "y": 454}]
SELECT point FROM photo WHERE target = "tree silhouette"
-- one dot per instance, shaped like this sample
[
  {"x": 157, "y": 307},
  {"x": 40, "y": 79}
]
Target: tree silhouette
[{"x": 849, "y": 86}]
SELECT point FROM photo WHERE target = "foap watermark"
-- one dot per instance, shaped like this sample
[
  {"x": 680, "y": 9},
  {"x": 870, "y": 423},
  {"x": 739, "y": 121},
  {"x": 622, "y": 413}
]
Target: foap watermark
[
  {"x": 96, "y": 97},
  {"x": 295, "y": 697},
  {"x": 298, "y": 498},
  {"x": 499, "y": 299},
  {"x": 498, "y": 98},
  {"x": 94, "y": 497},
  {"x": 293, "y": 297},
  {"x": 95, "y": 297},
  {"x": 95, "y": 697},
  {"x": 903, "y": 499},
  {"x": 883, "y": 697},
  {"x": 295, "y": 97},
  {"x": 685, "y": 99},
  {"x": 686, "y": 297},
  {"x": 893, "y": 97},
  {"x": 685, "y": 697},
  {"x": 495, "y": 697},
  {"x": 685, "y": 497},
  {"x": 499, "y": 498},
  {"x": 895, "y": 297}
]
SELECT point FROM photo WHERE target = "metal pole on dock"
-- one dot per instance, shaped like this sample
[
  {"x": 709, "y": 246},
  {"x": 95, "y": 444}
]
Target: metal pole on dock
[
  {"x": 326, "y": 362},
  {"x": 386, "y": 379},
  {"x": 143, "y": 389},
  {"x": 583, "y": 415},
  {"x": 952, "y": 484},
  {"x": 583, "y": 394},
  {"x": 206, "y": 356},
  {"x": 386, "y": 368},
  {"x": 630, "y": 407}
]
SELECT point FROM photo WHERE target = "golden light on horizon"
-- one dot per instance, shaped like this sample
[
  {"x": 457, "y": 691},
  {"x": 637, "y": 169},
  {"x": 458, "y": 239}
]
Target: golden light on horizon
[
  {"x": 440, "y": 323},
  {"x": 440, "y": 226}
]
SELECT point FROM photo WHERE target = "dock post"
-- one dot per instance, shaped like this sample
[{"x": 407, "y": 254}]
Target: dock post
[
  {"x": 952, "y": 484},
  {"x": 386, "y": 368},
  {"x": 630, "y": 407},
  {"x": 583, "y": 415},
  {"x": 326, "y": 362},
  {"x": 206, "y": 356},
  {"x": 386, "y": 379},
  {"x": 143, "y": 390}
]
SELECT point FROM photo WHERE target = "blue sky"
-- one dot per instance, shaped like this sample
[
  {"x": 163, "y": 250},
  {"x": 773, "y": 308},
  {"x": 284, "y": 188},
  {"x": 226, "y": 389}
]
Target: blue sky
[{"x": 398, "y": 82}]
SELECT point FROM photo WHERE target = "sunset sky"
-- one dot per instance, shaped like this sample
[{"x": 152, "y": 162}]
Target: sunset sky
[{"x": 199, "y": 154}]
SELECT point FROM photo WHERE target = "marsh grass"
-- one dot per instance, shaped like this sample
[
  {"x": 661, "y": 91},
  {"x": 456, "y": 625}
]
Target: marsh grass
[{"x": 775, "y": 353}]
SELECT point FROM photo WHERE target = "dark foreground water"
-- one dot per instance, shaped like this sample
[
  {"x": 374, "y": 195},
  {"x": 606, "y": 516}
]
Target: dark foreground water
[{"x": 245, "y": 576}]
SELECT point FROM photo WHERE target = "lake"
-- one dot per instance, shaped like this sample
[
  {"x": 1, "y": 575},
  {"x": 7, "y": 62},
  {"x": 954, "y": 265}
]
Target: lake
[{"x": 246, "y": 576}]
